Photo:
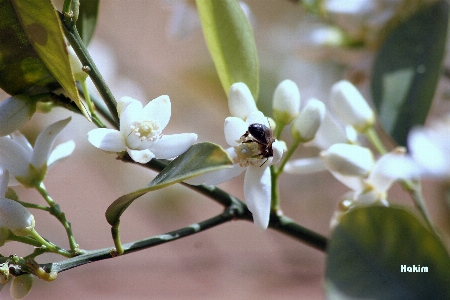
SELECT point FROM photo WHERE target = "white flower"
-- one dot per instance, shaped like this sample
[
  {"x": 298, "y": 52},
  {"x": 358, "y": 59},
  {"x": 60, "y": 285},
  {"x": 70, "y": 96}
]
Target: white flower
[
  {"x": 140, "y": 132},
  {"x": 13, "y": 216},
  {"x": 14, "y": 112},
  {"x": 27, "y": 165},
  {"x": 252, "y": 157},
  {"x": 286, "y": 102},
  {"x": 430, "y": 149},
  {"x": 350, "y": 106},
  {"x": 355, "y": 167}
]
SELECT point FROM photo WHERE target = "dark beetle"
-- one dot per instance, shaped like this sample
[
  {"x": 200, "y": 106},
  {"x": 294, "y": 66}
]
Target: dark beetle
[{"x": 263, "y": 136}]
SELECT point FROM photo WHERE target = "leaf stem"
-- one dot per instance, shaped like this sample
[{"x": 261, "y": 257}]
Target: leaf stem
[
  {"x": 374, "y": 138},
  {"x": 106, "y": 253},
  {"x": 56, "y": 211}
]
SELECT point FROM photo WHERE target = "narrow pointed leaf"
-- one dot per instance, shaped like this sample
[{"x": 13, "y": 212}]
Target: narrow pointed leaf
[
  {"x": 42, "y": 26},
  {"x": 230, "y": 42},
  {"x": 368, "y": 248},
  {"x": 407, "y": 70},
  {"x": 200, "y": 158},
  {"x": 87, "y": 19}
]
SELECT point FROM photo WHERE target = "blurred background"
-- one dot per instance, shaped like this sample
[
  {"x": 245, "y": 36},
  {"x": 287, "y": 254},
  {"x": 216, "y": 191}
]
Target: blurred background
[{"x": 149, "y": 48}]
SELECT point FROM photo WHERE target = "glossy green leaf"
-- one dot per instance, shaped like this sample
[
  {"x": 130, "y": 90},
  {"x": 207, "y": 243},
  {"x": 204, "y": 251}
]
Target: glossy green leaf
[
  {"x": 42, "y": 28},
  {"x": 21, "y": 69},
  {"x": 230, "y": 42},
  {"x": 366, "y": 252},
  {"x": 200, "y": 158},
  {"x": 407, "y": 69},
  {"x": 87, "y": 19}
]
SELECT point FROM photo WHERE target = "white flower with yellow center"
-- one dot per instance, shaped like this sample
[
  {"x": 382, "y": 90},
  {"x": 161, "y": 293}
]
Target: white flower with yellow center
[
  {"x": 140, "y": 132},
  {"x": 251, "y": 153}
]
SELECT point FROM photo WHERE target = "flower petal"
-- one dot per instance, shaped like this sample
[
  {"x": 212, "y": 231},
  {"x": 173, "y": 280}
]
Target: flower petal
[
  {"x": 124, "y": 102},
  {"x": 4, "y": 178},
  {"x": 141, "y": 156},
  {"x": 349, "y": 160},
  {"x": 170, "y": 146},
  {"x": 257, "y": 191},
  {"x": 15, "y": 216},
  {"x": 60, "y": 152},
  {"x": 107, "y": 139},
  {"x": 350, "y": 106},
  {"x": 257, "y": 117},
  {"x": 286, "y": 101},
  {"x": 305, "y": 165},
  {"x": 240, "y": 101},
  {"x": 22, "y": 141},
  {"x": 390, "y": 167},
  {"x": 45, "y": 141},
  {"x": 430, "y": 148},
  {"x": 278, "y": 148},
  {"x": 14, "y": 112},
  {"x": 158, "y": 110},
  {"x": 330, "y": 132},
  {"x": 14, "y": 157},
  {"x": 234, "y": 128},
  {"x": 131, "y": 113}
]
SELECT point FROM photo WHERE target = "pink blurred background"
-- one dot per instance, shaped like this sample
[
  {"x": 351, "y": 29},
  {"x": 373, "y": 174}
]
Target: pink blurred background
[{"x": 143, "y": 59}]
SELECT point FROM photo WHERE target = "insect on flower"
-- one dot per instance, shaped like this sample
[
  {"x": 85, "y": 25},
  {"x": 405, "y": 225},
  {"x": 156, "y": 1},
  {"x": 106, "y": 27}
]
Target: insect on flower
[{"x": 263, "y": 136}]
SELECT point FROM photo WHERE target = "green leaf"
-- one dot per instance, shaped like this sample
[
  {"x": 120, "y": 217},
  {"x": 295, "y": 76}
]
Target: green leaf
[
  {"x": 407, "y": 69},
  {"x": 87, "y": 19},
  {"x": 368, "y": 248},
  {"x": 21, "y": 69},
  {"x": 42, "y": 28},
  {"x": 200, "y": 158},
  {"x": 230, "y": 42}
]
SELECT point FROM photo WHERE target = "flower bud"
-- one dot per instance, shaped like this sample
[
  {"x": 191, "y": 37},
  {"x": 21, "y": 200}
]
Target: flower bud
[
  {"x": 5, "y": 276},
  {"x": 14, "y": 112},
  {"x": 350, "y": 106},
  {"x": 304, "y": 165},
  {"x": 240, "y": 101},
  {"x": 286, "y": 102},
  {"x": 123, "y": 103},
  {"x": 77, "y": 67},
  {"x": 307, "y": 123},
  {"x": 15, "y": 217},
  {"x": 348, "y": 160},
  {"x": 21, "y": 286}
]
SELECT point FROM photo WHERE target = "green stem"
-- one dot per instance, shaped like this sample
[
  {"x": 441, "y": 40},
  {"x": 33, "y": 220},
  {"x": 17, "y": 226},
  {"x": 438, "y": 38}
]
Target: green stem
[
  {"x": 106, "y": 253},
  {"x": 35, "y": 206},
  {"x": 53, "y": 248},
  {"x": 78, "y": 46},
  {"x": 67, "y": 7},
  {"x": 56, "y": 211},
  {"x": 116, "y": 238},
  {"x": 287, "y": 156},
  {"x": 87, "y": 97},
  {"x": 279, "y": 130},
  {"x": 24, "y": 240},
  {"x": 374, "y": 138},
  {"x": 415, "y": 191},
  {"x": 275, "y": 192}
]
